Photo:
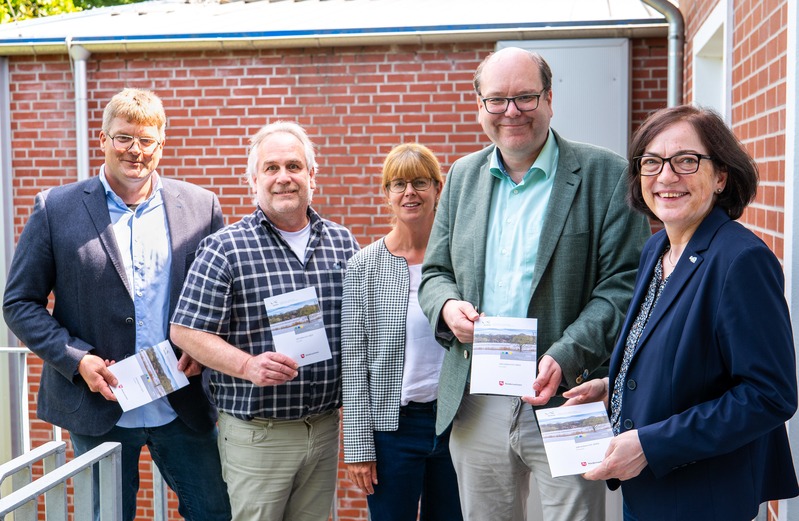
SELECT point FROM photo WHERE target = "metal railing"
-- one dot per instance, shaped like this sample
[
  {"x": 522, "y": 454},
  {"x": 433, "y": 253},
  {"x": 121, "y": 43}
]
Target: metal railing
[
  {"x": 19, "y": 433},
  {"x": 19, "y": 427},
  {"x": 23, "y": 501}
]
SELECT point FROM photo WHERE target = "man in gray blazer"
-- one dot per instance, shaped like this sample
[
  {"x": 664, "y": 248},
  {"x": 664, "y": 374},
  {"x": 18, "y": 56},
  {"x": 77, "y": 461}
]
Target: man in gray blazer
[
  {"x": 114, "y": 250},
  {"x": 532, "y": 226}
]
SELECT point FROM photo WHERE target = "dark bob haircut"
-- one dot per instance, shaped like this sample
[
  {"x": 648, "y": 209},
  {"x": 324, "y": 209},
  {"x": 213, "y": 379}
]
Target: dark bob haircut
[{"x": 727, "y": 152}]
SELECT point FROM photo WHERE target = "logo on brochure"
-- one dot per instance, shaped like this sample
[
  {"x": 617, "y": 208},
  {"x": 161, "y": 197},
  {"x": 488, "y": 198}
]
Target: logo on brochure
[
  {"x": 501, "y": 383},
  {"x": 302, "y": 355},
  {"x": 584, "y": 463}
]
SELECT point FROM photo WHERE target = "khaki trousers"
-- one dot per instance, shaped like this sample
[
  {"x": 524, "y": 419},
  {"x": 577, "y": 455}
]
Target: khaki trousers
[
  {"x": 280, "y": 469},
  {"x": 496, "y": 446}
]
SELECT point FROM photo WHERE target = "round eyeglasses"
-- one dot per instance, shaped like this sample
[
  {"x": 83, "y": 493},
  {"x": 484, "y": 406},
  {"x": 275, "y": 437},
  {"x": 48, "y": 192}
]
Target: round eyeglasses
[
  {"x": 420, "y": 184},
  {"x": 681, "y": 164},
  {"x": 124, "y": 142}
]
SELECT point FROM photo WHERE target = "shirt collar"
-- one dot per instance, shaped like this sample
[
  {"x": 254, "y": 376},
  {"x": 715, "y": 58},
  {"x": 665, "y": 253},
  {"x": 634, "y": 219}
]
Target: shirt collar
[
  {"x": 546, "y": 161},
  {"x": 110, "y": 194},
  {"x": 313, "y": 217}
]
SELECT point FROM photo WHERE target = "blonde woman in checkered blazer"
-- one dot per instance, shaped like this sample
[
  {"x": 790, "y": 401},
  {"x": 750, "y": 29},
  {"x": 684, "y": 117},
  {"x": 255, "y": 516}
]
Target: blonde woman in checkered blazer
[{"x": 391, "y": 360}]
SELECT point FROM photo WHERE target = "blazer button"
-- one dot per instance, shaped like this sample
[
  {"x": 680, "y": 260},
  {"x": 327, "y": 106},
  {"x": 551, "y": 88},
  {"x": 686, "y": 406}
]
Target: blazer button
[
  {"x": 628, "y": 424},
  {"x": 129, "y": 320},
  {"x": 466, "y": 354},
  {"x": 631, "y": 385}
]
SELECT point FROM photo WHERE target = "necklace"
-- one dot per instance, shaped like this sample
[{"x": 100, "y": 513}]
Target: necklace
[{"x": 668, "y": 256}]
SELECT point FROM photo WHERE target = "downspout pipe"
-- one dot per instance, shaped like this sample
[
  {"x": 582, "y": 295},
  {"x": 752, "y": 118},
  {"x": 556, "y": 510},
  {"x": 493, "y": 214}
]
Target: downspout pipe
[
  {"x": 79, "y": 55},
  {"x": 676, "y": 40},
  {"x": 14, "y": 367}
]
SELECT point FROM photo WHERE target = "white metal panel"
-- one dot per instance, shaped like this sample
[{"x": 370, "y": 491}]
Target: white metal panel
[
  {"x": 590, "y": 88},
  {"x": 712, "y": 61},
  {"x": 197, "y": 19}
]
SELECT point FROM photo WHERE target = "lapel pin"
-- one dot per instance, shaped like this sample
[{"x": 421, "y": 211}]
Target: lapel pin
[{"x": 692, "y": 258}]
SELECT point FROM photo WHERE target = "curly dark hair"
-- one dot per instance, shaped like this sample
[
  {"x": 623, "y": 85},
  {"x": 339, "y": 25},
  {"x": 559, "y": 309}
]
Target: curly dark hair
[{"x": 727, "y": 152}]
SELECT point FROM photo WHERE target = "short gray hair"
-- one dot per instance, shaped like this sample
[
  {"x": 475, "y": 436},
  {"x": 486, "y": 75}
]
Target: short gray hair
[{"x": 288, "y": 127}]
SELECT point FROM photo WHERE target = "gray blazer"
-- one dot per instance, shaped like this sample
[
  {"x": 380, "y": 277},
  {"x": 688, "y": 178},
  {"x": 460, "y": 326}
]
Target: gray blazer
[
  {"x": 583, "y": 279},
  {"x": 68, "y": 248}
]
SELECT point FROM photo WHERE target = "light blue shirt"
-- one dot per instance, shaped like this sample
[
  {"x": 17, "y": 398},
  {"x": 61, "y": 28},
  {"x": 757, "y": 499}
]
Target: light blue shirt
[
  {"x": 514, "y": 229},
  {"x": 143, "y": 239}
]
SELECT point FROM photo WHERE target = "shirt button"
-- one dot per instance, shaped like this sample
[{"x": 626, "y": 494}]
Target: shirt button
[
  {"x": 631, "y": 385},
  {"x": 628, "y": 424},
  {"x": 466, "y": 354}
]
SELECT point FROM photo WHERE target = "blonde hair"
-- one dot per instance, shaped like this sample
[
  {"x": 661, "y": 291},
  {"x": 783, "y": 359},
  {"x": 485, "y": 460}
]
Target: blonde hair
[
  {"x": 138, "y": 106},
  {"x": 409, "y": 161}
]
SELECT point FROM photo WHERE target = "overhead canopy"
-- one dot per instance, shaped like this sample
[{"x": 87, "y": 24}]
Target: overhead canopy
[{"x": 219, "y": 25}]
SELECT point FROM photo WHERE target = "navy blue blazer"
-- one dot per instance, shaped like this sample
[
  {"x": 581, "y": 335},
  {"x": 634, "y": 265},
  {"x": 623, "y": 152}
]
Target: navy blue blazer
[
  {"x": 712, "y": 380},
  {"x": 68, "y": 247}
]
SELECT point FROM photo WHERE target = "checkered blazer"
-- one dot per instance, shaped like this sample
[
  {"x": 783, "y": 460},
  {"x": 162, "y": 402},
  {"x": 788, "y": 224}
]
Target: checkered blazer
[{"x": 374, "y": 309}]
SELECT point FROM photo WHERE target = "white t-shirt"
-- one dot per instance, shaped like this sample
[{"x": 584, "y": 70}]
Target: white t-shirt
[
  {"x": 297, "y": 241},
  {"x": 423, "y": 354}
]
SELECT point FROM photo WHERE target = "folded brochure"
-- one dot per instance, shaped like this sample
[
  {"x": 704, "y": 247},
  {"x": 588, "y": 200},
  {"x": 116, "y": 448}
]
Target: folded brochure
[
  {"x": 576, "y": 437},
  {"x": 148, "y": 375}
]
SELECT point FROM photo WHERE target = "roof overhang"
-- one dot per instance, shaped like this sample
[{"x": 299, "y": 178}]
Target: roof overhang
[{"x": 181, "y": 25}]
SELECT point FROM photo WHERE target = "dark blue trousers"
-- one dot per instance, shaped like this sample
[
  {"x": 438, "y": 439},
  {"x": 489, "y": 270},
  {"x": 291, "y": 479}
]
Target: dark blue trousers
[{"x": 414, "y": 471}]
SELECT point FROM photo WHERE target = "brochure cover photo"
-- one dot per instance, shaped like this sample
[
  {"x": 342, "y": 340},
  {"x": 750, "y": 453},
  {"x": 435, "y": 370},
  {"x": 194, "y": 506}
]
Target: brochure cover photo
[
  {"x": 576, "y": 437},
  {"x": 504, "y": 356},
  {"x": 147, "y": 376},
  {"x": 298, "y": 328}
]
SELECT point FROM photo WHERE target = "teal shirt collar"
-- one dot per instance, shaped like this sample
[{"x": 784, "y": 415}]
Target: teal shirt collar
[{"x": 546, "y": 161}]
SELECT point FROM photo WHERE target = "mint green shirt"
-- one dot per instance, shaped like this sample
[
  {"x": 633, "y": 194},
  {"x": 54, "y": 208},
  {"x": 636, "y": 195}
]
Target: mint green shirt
[{"x": 514, "y": 229}]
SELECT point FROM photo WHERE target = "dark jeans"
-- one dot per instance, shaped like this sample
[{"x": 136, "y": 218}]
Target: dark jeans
[
  {"x": 188, "y": 461},
  {"x": 628, "y": 516},
  {"x": 413, "y": 462}
]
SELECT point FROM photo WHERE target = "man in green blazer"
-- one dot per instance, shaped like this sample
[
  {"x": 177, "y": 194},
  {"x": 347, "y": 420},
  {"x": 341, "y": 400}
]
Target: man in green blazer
[{"x": 532, "y": 226}]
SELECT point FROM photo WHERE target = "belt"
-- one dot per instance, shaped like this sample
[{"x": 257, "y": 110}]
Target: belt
[{"x": 418, "y": 407}]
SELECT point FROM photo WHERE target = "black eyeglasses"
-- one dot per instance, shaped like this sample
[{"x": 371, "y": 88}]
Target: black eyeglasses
[
  {"x": 525, "y": 103},
  {"x": 124, "y": 142},
  {"x": 681, "y": 164},
  {"x": 420, "y": 184}
]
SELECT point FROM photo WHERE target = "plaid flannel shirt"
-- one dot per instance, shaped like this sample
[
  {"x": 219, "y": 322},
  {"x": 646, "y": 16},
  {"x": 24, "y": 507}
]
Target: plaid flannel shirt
[{"x": 235, "y": 270}]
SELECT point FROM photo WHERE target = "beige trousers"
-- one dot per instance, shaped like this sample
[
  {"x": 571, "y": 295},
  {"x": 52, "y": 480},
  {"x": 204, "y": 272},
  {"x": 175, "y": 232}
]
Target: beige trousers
[
  {"x": 496, "y": 446},
  {"x": 280, "y": 469}
]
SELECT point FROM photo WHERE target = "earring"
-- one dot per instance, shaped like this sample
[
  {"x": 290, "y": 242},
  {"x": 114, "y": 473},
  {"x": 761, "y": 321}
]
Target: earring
[{"x": 719, "y": 190}]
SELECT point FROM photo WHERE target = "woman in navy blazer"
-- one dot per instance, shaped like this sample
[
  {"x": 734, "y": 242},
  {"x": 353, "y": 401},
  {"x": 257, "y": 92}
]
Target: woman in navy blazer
[{"x": 703, "y": 378}]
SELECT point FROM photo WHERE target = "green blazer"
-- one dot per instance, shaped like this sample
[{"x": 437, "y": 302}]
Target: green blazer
[{"x": 583, "y": 279}]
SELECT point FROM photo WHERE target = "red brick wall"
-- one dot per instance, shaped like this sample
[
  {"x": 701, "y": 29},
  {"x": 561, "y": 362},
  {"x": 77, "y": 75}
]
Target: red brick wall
[
  {"x": 758, "y": 101},
  {"x": 356, "y": 103},
  {"x": 759, "y": 53}
]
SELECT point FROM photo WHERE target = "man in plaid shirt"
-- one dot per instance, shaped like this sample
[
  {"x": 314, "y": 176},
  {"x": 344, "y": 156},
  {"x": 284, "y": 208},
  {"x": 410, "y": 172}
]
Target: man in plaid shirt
[{"x": 279, "y": 422}]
